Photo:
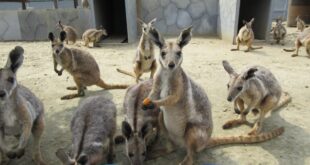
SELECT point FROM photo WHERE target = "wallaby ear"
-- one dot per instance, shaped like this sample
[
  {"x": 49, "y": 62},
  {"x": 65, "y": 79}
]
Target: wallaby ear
[
  {"x": 244, "y": 22},
  {"x": 252, "y": 20},
  {"x": 63, "y": 36},
  {"x": 63, "y": 156},
  {"x": 184, "y": 37},
  {"x": 250, "y": 73},
  {"x": 82, "y": 160},
  {"x": 228, "y": 68},
  {"x": 140, "y": 21},
  {"x": 152, "y": 21},
  {"x": 16, "y": 58},
  {"x": 126, "y": 129},
  {"x": 145, "y": 129},
  {"x": 51, "y": 37},
  {"x": 156, "y": 37}
]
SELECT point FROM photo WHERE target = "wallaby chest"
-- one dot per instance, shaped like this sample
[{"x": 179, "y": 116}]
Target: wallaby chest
[{"x": 11, "y": 124}]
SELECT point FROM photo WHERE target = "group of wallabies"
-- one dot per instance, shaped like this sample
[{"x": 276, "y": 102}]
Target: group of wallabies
[
  {"x": 170, "y": 104},
  {"x": 245, "y": 36}
]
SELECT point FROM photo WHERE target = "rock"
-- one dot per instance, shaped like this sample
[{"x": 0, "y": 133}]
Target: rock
[
  {"x": 196, "y": 9},
  {"x": 181, "y": 3},
  {"x": 164, "y": 3},
  {"x": 161, "y": 26},
  {"x": 157, "y": 13},
  {"x": 184, "y": 19},
  {"x": 212, "y": 7},
  {"x": 205, "y": 27},
  {"x": 150, "y": 5},
  {"x": 170, "y": 14}
]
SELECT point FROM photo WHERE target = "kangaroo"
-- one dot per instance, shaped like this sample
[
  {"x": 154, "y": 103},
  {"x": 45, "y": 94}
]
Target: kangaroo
[
  {"x": 258, "y": 89},
  {"x": 139, "y": 124},
  {"x": 144, "y": 60},
  {"x": 85, "y": 3},
  {"x": 93, "y": 126},
  {"x": 300, "y": 24},
  {"x": 72, "y": 33},
  {"x": 22, "y": 113},
  {"x": 303, "y": 39},
  {"x": 93, "y": 35},
  {"x": 246, "y": 36},
  {"x": 186, "y": 110},
  {"x": 279, "y": 31},
  {"x": 80, "y": 64}
]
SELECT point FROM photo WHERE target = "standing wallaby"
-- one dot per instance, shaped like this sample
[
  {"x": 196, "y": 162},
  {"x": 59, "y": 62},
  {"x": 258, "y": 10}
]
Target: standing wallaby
[
  {"x": 80, "y": 64},
  {"x": 140, "y": 127},
  {"x": 22, "y": 113},
  {"x": 85, "y": 3},
  {"x": 246, "y": 36},
  {"x": 257, "y": 89},
  {"x": 279, "y": 31},
  {"x": 93, "y": 126},
  {"x": 71, "y": 32},
  {"x": 93, "y": 35},
  {"x": 303, "y": 39},
  {"x": 145, "y": 59},
  {"x": 300, "y": 24},
  {"x": 186, "y": 110}
]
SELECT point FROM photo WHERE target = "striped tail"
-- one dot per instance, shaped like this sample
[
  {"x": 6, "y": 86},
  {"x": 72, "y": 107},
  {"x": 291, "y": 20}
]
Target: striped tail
[
  {"x": 289, "y": 50},
  {"x": 247, "y": 139},
  {"x": 285, "y": 99},
  {"x": 126, "y": 73},
  {"x": 104, "y": 85}
]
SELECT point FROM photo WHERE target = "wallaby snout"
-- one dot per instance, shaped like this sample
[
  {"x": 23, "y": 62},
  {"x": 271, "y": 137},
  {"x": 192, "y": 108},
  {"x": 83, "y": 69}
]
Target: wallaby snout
[
  {"x": 229, "y": 98},
  {"x": 2, "y": 94},
  {"x": 171, "y": 65}
]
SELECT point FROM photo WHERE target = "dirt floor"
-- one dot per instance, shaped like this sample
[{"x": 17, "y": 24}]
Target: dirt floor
[{"x": 203, "y": 63}]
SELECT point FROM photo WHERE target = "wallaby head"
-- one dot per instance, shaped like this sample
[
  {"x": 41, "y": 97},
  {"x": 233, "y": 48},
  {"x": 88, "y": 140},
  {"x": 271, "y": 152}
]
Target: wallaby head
[
  {"x": 236, "y": 84},
  {"x": 171, "y": 52},
  {"x": 59, "y": 25},
  {"x": 248, "y": 26},
  {"x": 147, "y": 26},
  {"x": 8, "y": 74},
  {"x": 57, "y": 45},
  {"x": 135, "y": 141}
]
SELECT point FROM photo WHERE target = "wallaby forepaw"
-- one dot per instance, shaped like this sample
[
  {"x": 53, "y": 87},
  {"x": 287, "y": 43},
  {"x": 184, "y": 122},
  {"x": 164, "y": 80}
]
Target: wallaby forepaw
[{"x": 237, "y": 111}]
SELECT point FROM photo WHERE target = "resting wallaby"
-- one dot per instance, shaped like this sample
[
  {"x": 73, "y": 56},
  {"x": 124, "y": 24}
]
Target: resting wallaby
[
  {"x": 72, "y": 34},
  {"x": 278, "y": 31},
  {"x": 85, "y": 3},
  {"x": 303, "y": 39},
  {"x": 93, "y": 126},
  {"x": 93, "y": 35},
  {"x": 300, "y": 24},
  {"x": 22, "y": 113},
  {"x": 145, "y": 59},
  {"x": 80, "y": 64},
  {"x": 246, "y": 36},
  {"x": 186, "y": 117},
  {"x": 140, "y": 127},
  {"x": 257, "y": 89}
]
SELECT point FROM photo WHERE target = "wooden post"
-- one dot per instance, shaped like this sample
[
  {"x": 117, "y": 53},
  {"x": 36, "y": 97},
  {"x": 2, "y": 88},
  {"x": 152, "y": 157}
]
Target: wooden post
[
  {"x": 75, "y": 3},
  {"x": 56, "y": 4},
  {"x": 24, "y": 5}
]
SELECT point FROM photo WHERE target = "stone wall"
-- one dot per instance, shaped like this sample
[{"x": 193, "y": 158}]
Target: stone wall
[
  {"x": 32, "y": 25},
  {"x": 174, "y": 15}
]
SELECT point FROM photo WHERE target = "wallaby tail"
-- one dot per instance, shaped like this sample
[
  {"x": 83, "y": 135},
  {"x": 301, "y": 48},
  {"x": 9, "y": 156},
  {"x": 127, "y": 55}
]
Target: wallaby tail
[
  {"x": 104, "y": 85},
  {"x": 285, "y": 99},
  {"x": 246, "y": 139},
  {"x": 289, "y": 50},
  {"x": 126, "y": 73},
  {"x": 259, "y": 47}
]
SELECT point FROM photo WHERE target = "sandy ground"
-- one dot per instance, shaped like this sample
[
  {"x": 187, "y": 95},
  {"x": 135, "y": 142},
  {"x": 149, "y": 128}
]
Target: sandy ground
[{"x": 203, "y": 63}]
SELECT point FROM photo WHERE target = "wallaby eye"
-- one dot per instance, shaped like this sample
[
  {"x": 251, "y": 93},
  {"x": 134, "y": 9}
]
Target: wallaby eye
[
  {"x": 130, "y": 154},
  {"x": 228, "y": 86},
  {"x": 179, "y": 53},
  {"x": 239, "y": 88},
  {"x": 163, "y": 54},
  {"x": 11, "y": 80},
  {"x": 53, "y": 45}
]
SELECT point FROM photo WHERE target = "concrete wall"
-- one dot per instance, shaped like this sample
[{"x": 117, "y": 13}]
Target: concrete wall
[
  {"x": 32, "y": 25},
  {"x": 174, "y": 15}
]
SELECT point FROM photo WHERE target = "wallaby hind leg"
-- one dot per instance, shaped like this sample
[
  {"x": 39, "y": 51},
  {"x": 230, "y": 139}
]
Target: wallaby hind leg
[
  {"x": 80, "y": 93},
  {"x": 268, "y": 103},
  {"x": 37, "y": 131},
  {"x": 249, "y": 45},
  {"x": 238, "y": 46},
  {"x": 242, "y": 120},
  {"x": 110, "y": 155},
  {"x": 298, "y": 45}
]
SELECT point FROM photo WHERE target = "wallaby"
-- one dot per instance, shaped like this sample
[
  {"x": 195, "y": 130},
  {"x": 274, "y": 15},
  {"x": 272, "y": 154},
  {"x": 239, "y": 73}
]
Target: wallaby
[
  {"x": 80, "y": 64},
  {"x": 145, "y": 59},
  {"x": 93, "y": 126},
  {"x": 303, "y": 39},
  {"x": 85, "y": 3},
  {"x": 22, "y": 113},
  {"x": 257, "y": 89},
  {"x": 246, "y": 36},
  {"x": 72, "y": 34},
  {"x": 279, "y": 31},
  {"x": 140, "y": 126},
  {"x": 93, "y": 35},
  {"x": 300, "y": 24},
  {"x": 186, "y": 110}
]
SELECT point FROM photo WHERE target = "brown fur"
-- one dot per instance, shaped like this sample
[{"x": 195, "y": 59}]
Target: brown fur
[
  {"x": 93, "y": 35},
  {"x": 303, "y": 39},
  {"x": 300, "y": 24},
  {"x": 279, "y": 31},
  {"x": 80, "y": 64},
  {"x": 72, "y": 34}
]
